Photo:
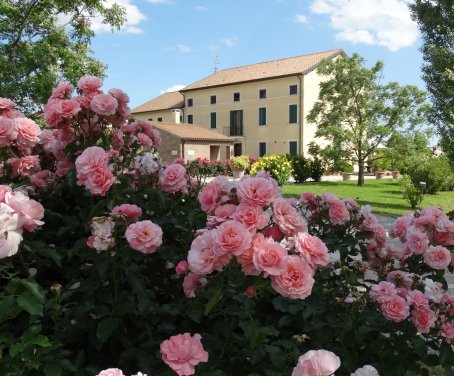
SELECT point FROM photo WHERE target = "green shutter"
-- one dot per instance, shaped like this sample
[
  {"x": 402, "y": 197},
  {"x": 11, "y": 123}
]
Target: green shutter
[
  {"x": 293, "y": 114},
  {"x": 262, "y": 149},
  {"x": 232, "y": 123},
  {"x": 213, "y": 120},
  {"x": 241, "y": 123},
  {"x": 262, "y": 116},
  {"x": 292, "y": 147}
]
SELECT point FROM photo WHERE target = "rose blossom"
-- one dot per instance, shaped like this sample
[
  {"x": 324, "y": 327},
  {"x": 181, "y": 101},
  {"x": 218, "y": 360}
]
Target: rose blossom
[
  {"x": 256, "y": 191},
  {"x": 6, "y": 105},
  {"x": 144, "y": 236},
  {"x": 27, "y": 132},
  {"x": 246, "y": 258},
  {"x": 287, "y": 218},
  {"x": 30, "y": 211},
  {"x": 7, "y": 131},
  {"x": 62, "y": 91},
  {"x": 174, "y": 179},
  {"x": 317, "y": 363},
  {"x": 191, "y": 282},
  {"x": 395, "y": 308},
  {"x": 417, "y": 299},
  {"x": 133, "y": 212},
  {"x": 296, "y": 282},
  {"x": 181, "y": 267},
  {"x": 417, "y": 241},
  {"x": 4, "y": 189},
  {"x": 232, "y": 237},
  {"x": 89, "y": 84},
  {"x": 437, "y": 257},
  {"x": 203, "y": 255},
  {"x": 338, "y": 213},
  {"x": 398, "y": 228},
  {"x": 433, "y": 290},
  {"x": 365, "y": 371},
  {"x": 271, "y": 258},
  {"x": 383, "y": 291},
  {"x": 111, "y": 372},
  {"x": 183, "y": 352},
  {"x": 10, "y": 231},
  {"x": 25, "y": 166},
  {"x": 447, "y": 330},
  {"x": 311, "y": 249},
  {"x": 99, "y": 180},
  {"x": 251, "y": 216},
  {"x": 400, "y": 278},
  {"x": 104, "y": 104},
  {"x": 424, "y": 319},
  {"x": 91, "y": 158}
]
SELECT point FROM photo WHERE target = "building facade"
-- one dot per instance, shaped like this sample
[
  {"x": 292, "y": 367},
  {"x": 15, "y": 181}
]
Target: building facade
[{"x": 264, "y": 106}]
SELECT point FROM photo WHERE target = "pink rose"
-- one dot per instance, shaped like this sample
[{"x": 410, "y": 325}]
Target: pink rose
[
  {"x": 4, "y": 189},
  {"x": 99, "y": 180},
  {"x": 91, "y": 158},
  {"x": 338, "y": 213},
  {"x": 383, "y": 291},
  {"x": 63, "y": 167},
  {"x": 273, "y": 232},
  {"x": 183, "y": 352},
  {"x": 6, "y": 105},
  {"x": 214, "y": 193},
  {"x": 25, "y": 166},
  {"x": 104, "y": 104},
  {"x": 62, "y": 91},
  {"x": 317, "y": 363},
  {"x": 66, "y": 109},
  {"x": 447, "y": 330},
  {"x": 147, "y": 142},
  {"x": 251, "y": 216},
  {"x": 42, "y": 179},
  {"x": 270, "y": 258},
  {"x": 395, "y": 308},
  {"x": 27, "y": 132},
  {"x": 437, "y": 257},
  {"x": 119, "y": 95},
  {"x": 307, "y": 198},
  {"x": 190, "y": 283},
  {"x": 221, "y": 214},
  {"x": 296, "y": 282},
  {"x": 232, "y": 237},
  {"x": 7, "y": 131},
  {"x": 424, "y": 319},
  {"x": 398, "y": 228},
  {"x": 417, "y": 241},
  {"x": 111, "y": 372},
  {"x": 89, "y": 84},
  {"x": 311, "y": 249},
  {"x": 250, "y": 291},
  {"x": 174, "y": 179},
  {"x": 257, "y": 191},
  {"x": 246, "y": 259},
  {"x": 30, "y": 211},
  {"x": 290, "y": 222},
  {"x": 144, "y": 236},
  {"x": 203, "y": 255},
  {"x": 132, "y": 212},
  {"x": 418, "y": 300},
  {"x": 400, "y": 278},
  {"x": 181, "y": 267}
]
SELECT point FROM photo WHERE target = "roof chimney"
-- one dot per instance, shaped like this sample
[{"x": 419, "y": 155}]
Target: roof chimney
[{"x": 176, "y": 112}]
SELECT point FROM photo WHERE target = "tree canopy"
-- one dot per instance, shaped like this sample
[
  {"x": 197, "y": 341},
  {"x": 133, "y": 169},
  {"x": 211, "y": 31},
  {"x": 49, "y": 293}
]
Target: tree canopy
[
  {"x": 45, "y": 41},
  {"x": 358, "y": 113},
  {"x": 436, "y": 22}
]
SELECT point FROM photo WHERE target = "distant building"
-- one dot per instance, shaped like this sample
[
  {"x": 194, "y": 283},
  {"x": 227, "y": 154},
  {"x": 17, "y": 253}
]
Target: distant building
[{"x": 263, "y": 106}]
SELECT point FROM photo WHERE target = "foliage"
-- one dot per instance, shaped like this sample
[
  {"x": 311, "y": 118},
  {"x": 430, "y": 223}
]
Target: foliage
[
  {"x": 345, "y": 167},
  {"x": 334, "y": 157},
  {"x": 240, "y": 162},
  {"x": 205, "y": 167},
  {"x": 43, "y": 42},
  {"x": 434, "y": 171},
  {"x": 317, "y": 166},
  {"x": 358, "y": 112},
  {"x": 436, "y": 22},
  {"x": 301, "y": 168},
  {"x": 132, "y": 254},
  {"x": 411, "y": 192},
  {"x": 279, "y": 167}
]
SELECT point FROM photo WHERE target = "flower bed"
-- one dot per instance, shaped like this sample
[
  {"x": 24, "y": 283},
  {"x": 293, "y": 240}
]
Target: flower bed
[{"x": 113, "y": 261}]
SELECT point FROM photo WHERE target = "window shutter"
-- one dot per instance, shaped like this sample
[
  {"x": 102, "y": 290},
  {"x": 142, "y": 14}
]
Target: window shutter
[
  {"x": 232, "y": 123},
  {"x": 241, "y": 122}
]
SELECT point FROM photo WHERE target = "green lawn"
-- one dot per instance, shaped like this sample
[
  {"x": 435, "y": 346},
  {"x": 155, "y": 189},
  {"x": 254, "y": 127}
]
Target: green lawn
[{"x": 383, "y": 195}]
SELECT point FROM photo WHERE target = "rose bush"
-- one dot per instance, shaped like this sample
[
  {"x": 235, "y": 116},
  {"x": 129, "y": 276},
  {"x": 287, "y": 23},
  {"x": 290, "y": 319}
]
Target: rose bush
[{"x": 113, "y": 262}]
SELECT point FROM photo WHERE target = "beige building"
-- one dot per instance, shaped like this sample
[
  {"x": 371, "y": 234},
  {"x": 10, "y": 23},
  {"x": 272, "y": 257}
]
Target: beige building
[
  {"x": 188, "y": 141},
  {"x": 167, "y": 108},
  {"x": 263, "y": 105}
]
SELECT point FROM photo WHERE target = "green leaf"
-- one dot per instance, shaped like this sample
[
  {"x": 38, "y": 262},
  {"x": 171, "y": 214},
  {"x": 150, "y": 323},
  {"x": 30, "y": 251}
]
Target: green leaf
[
  {"x": 52, "y": 369},
  {"x": 31, "y": 286},
  {"x": 15, "y": 349},
  {"x": 41, "y": 340},
  {"x": 215, "y": 298},
  {"x": 30, "y": 303},
  {"x": 6, "y": 307},
  {"x": 106, "y": 328}
]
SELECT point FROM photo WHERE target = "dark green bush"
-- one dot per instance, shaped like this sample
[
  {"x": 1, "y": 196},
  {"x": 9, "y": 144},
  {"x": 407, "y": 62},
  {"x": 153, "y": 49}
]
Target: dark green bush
[
  {"x": 317, "y": 169},
  {"x": 301, "y": 168},
  {"x": 435, "y": 171}
]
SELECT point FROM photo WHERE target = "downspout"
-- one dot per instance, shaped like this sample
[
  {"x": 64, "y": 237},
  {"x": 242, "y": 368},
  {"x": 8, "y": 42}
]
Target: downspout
[
  {"x": 300, "y": 123},
  {"x": 182, "y": 149},
  {"x": 184, "y": 106}
]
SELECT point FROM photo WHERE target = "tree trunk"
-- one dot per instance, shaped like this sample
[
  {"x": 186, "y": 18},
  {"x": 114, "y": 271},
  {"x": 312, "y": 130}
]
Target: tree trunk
[{"x": 360, "y": 173}]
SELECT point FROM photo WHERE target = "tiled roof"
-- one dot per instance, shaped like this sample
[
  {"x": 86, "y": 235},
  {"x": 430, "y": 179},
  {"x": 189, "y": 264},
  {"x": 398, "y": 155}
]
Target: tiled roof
[
  {"x": 192, "y": 132},
  {"x": 270, "y": 69},
  {"x": 173, "y": 99}
]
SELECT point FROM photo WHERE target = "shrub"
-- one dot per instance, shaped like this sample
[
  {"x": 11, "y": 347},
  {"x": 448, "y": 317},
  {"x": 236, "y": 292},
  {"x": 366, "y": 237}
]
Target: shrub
[
  {"x": 241, "y": 162},
  {"x": 345, "y": 167},
  {"x": 278, "y": 166},
  {"x": 433, "y": 170},
  {"x": 301, "y": 168},
  {"x": 317, "y": 169},
  {"x": 413, "y": 194},
  {"x": 203, "y": 167}
]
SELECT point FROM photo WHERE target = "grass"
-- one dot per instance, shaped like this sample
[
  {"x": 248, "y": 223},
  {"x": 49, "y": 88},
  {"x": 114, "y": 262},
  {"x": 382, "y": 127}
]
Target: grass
[{"x": 383, "y": 195}]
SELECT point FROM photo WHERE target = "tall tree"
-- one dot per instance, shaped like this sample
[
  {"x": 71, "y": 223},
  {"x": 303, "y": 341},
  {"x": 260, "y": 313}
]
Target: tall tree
[
  {"x": 44, "y": 41},
  {"x": 436, "y": 22},
  {"x": 360, "y": 113}
]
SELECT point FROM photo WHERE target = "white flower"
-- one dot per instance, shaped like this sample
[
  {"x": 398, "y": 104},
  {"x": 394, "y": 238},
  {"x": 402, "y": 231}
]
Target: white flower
[
  {"x": 433, "y": 290},
  {"x": 366, "y": 371}
]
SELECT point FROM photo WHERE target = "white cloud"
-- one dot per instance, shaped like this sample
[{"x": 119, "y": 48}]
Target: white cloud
[
  {"x": 374, "y": 22},
  {"x": 133, "y": 18},
  {"x": 230, "y": 42},
  {"x": 200, "y": 8},
  {"x": 300, "y": 18},
  {"x": 183, "y": 48},
  {"x": 173, "y": 88}
]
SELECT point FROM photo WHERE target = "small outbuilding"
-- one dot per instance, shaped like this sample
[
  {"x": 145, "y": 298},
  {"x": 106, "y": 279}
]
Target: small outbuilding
[{"x": 189, "y": 141}]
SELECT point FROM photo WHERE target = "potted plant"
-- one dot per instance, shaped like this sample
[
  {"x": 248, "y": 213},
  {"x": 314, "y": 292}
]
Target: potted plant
[
  {"x": 347, "y": 171},
  {"x": 239, "y": 165}
]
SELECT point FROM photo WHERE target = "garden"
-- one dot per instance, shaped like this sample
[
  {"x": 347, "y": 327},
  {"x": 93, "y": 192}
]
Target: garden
[{"x": 114, "y": 263}]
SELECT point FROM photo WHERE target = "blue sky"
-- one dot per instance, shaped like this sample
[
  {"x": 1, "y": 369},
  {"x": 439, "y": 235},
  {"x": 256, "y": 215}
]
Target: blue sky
[{"x": 169, "y": 43}]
